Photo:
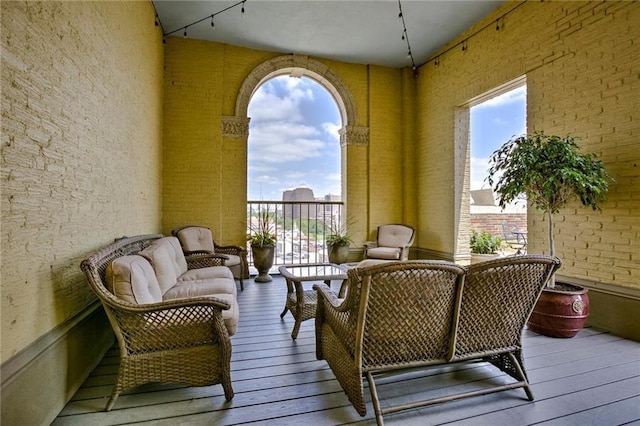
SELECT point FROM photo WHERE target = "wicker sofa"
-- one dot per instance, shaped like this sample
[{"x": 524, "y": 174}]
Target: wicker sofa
[
  {"x": 406, "y": 315},
  {"x": 172, "y": 319}
]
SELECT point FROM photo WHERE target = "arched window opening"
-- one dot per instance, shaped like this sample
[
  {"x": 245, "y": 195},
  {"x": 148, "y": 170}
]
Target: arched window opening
[{"x": 294, "y": 166}]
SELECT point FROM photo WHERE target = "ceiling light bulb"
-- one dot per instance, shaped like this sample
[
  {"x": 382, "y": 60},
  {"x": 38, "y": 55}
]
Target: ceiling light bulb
[
  {"x": 185, "y": 32},
  {"x": 213, "y": 26}
]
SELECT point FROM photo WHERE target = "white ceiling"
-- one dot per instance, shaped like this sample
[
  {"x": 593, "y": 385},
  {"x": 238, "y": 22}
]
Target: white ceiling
[{"x": 367, "y": 32}]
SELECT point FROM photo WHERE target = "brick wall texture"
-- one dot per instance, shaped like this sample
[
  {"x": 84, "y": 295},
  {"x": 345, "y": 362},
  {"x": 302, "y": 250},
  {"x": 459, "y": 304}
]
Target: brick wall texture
[
  {"x": 581, "y": 62},
  {"x": 81, "y": 150},
  {"x": 108, "y": 132}
]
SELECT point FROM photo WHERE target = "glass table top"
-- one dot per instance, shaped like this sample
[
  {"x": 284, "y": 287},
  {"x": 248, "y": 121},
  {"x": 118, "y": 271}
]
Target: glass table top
[{"x": 314, "y": 272}]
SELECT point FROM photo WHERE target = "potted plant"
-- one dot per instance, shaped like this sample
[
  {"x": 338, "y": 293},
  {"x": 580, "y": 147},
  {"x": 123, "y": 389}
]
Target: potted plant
[
  {"x": 551, "y": 172},
  {"x": 263, "y": 243},
  {"x": 338, "y": 243},
  {"x": 484, "y": 246}
]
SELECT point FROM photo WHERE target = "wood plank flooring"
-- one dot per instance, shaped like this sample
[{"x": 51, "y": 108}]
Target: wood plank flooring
[{"x": 591, "y": 379}]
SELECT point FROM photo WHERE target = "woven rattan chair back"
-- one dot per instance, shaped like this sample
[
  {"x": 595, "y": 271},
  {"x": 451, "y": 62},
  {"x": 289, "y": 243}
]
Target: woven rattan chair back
[{"x": 498, "y": 298}]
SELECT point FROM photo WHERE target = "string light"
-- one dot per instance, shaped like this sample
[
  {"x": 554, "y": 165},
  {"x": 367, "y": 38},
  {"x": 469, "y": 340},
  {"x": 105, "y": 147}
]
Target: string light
[
  {"x": 185, "y": 27},
  {"x": 405, "y": 37}
]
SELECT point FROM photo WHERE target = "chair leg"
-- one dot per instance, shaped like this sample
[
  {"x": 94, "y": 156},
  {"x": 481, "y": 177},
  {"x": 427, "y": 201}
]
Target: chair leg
[
  {"x": 374, "y": 399},
  {"x": 112, "y": 399}
]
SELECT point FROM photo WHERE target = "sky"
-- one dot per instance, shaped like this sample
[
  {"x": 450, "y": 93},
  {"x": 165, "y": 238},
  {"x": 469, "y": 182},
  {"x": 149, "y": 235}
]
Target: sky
[
  {"x": 493, "y": 123},
  {"x": 294, "y": 141}
]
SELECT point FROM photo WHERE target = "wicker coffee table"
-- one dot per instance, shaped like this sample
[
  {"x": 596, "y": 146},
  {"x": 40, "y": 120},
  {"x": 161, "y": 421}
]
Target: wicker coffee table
[{"x": 300, "y": 302}]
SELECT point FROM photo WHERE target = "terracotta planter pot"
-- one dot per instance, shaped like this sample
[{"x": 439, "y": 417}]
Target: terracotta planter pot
[
  {"x": 263, "y": 261},
  {"x": 338, "y": 253},
  {"x": 560, "y": 312}
]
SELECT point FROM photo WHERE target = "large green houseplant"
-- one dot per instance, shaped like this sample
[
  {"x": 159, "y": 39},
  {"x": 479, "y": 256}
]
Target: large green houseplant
[{"x": 551, "y": 172}]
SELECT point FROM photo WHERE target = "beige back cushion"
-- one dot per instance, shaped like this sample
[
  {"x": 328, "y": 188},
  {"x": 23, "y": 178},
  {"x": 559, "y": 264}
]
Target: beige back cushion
[
  {"x": 394, "y": 235},
  {"x": 167, "y": 259},
  {"x": 196, "y": 238},
  {"x": 132, "y": 279}
]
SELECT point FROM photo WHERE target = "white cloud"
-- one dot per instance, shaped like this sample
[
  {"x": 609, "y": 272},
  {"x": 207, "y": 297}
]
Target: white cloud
[
  {"x": 282, "y": 142},
  {"x": 516, "y": 95},
  {"x": 478, "y": 169},
  {"x": 266, "y": 179},
  {"x": 332, "y": 129},
  {"x": 266, "y": 106}
]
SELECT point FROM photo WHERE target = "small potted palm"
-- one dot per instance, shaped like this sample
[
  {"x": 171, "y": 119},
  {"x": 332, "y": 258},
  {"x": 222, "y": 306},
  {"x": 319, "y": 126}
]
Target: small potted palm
[
  {"x": 484, "y": 246},
  {"x": 263, "y": 243},
  {"x": 551, "y": 172}
]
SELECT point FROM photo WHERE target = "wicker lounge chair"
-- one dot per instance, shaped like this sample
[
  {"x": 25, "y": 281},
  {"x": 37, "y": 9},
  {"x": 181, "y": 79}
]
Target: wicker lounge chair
[
  {"x": 174, "y": 341},
  {"x": 402, "y": 315},
  {"x": 199, "y": 239},
  {"x": 392, "y": 243}
]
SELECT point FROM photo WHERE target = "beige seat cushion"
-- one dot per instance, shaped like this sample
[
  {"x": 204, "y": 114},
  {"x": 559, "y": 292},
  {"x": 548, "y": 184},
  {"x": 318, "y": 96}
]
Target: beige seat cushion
[
  {"x": 196, "y": 288},
  {"x": 231, "y": 315},
  {"x": 389, "y": 253},
  {"x": 206, "y": 273},
  {"x": 132, "y": 279}
]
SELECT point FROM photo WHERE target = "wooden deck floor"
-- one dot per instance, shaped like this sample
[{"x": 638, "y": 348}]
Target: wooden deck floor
[{"x": 592, "y": 379}]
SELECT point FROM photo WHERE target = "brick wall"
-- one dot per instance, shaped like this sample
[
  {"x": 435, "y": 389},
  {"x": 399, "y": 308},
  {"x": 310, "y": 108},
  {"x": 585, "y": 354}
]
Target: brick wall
[
  {"x": 81, "y": 150},
  {"x": 580, "y": 60},
  {"x": 492, "y": 222}
]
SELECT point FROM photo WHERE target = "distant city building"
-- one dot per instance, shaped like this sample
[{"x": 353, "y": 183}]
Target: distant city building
[{"x": 297, "y": 211}]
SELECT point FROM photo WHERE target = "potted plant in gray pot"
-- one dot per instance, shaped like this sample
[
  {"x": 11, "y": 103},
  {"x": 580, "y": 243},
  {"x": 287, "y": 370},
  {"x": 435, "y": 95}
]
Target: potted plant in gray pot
[
  {"x": 484, "y": 246},
  {"x": 551, "y": 172},
  {"x": 338, "y": 242},
  {"x": 263, "y": 243}
]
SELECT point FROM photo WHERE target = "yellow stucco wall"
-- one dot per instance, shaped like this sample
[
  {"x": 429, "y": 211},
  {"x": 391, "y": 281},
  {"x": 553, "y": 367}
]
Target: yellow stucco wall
[
  {"x": 205, "y": 173},
  {"x": 581, "y": 63},
  {"x": 81, "y": 150}
]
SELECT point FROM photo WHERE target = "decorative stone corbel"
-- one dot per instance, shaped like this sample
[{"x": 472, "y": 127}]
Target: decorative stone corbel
[{"x": 235, "y": 127}]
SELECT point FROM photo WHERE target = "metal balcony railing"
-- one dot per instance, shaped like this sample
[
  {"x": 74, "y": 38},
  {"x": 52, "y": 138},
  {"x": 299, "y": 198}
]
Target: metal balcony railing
[{"x": 300, "y": 227}]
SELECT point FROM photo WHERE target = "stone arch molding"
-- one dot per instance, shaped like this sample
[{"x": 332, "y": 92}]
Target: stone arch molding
[{"x": 297, "y": 66}]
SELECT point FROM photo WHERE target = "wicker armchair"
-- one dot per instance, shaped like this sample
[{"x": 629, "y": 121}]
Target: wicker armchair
[
  {"x": 179, "y": 341},
  {"x": 392, "y": 243},
  {"x": 402, "y": 315},
  {"x": 199, "y": 239}
]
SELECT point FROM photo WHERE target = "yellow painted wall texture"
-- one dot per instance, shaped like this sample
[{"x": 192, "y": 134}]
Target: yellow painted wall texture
[
  {"x": 205, "y": 173},
  {"x": 582, "y": 66},
  {"x": 81, "y": 150}
]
